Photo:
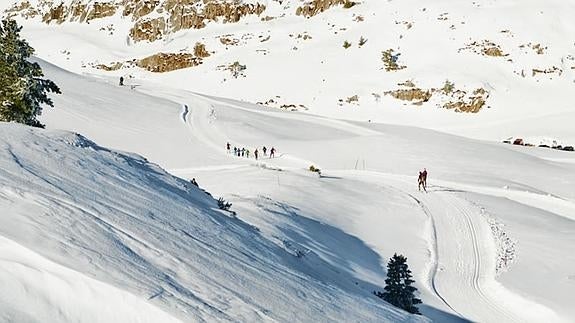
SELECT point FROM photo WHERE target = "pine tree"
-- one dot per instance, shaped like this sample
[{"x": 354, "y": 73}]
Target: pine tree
[
  {"x": 23, "y": 90},
  {"x": 398, "y": 289}
]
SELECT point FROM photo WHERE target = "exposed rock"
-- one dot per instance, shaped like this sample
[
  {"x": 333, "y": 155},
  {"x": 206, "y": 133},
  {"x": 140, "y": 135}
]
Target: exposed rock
[
  {"x": 101, "y": 10},
  {"x": 24, "y": 8},
  {"x": 80, "y": 12},
  {"x": 485, "y": 48},
  {"x": 200, "y": 50},
  {"x": 149, "y": 29},
  {"x": 448, "y": 97},
  {"x": 57, "y": 14},
  {"x": 166, "y": 62},
  {"x": 168, "y": 15},
  {"x": 139, "y": 9},
  {"x": 315, "y": 7},
  {"x": 112, "y": 67},
  {"x": 411, "y": 94},
  {"x": 472, "y": 105},
  {"x": 550, "y": 70},
  {"x": 352, "y": 99},
  {"x": 225, "y": 40}
]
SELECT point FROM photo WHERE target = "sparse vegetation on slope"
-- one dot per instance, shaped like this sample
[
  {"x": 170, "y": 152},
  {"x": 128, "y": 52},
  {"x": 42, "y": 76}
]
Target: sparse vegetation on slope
[
  {"x": 316, "y": 7},
  {"x": 390, "y": 60}
]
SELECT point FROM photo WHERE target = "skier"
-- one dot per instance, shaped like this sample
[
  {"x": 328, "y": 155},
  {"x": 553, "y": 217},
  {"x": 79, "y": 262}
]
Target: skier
[
  {"x": 424, "y": 174},
  {"x": 235, "y": 151},
  {"x": 272, "y": 152},
  {"x": 243, "y": 152},
  {"x": 420, "y": 182},
  {"x": 121, "y": 81},
  {"x": 256, "y": 153},
  {"x": 264, "y": 150},
  {"x": 247, "y": 153},
  {"x": 194, "y": 182},
  {"x": 229, "y": 147}
]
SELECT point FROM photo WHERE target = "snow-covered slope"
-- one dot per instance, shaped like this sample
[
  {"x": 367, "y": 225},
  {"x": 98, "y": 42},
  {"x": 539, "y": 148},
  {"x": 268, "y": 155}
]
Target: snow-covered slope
[
  {"x": 516, "y": 58},
  {"x": 465, "y": 242},
  {"x": 491, "y": 241},
  {"x": 92, "y": 235}
]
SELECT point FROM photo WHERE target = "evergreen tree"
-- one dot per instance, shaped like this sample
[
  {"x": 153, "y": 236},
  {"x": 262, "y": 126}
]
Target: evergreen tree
[
  {"x": 23, "y": 90},
  {"x": 398, "y": 289}
]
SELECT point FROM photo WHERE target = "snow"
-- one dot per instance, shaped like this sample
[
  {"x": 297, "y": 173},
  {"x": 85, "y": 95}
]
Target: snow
[
  {"x": 317, "y": 72},
  {"x": 56, "y": 293},
  {"x": 87, "y": 230},
  {"x": 126, "y": 223},
  {"x": 320, "y": 221}
]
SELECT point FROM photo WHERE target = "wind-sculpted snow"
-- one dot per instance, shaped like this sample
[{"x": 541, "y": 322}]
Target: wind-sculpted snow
[{"x": 85, "y": 229}]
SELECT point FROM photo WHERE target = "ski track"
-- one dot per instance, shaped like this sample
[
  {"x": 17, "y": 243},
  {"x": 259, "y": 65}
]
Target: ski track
[
  {"x": 434, "y": 254},
  {"x": 459, "y": 248}
]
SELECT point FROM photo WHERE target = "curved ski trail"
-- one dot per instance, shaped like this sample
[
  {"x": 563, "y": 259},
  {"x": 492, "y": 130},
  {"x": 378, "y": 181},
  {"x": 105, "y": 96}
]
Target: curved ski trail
[{"x": 464, "y": 277}]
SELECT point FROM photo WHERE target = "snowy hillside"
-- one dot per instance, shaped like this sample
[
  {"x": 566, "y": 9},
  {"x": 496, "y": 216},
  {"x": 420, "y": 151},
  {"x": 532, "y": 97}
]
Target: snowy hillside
[
  {"x": 89, "y": 234},
  {"x": 483, "y": 231},
  {"x": 408, "y": 62},
  {"x": 94, "y": 234}
]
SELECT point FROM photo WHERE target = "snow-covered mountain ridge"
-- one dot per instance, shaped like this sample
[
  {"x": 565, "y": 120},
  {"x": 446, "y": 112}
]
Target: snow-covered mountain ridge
[{"x": 510, "y": 65}]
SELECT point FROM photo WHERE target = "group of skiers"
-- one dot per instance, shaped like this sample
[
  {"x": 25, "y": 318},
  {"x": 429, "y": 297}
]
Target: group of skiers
[{"x": 243, "y": 152}]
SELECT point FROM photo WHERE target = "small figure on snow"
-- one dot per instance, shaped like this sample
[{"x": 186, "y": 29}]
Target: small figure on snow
[
  {"x": 243, "y": 152},
  {"x": 121, "y": 81},
  {"x": 247, "y": 153},
  {"x": 422, "y": 180},
  {"x": 193, "y": 181},
  {"x": 264, "y": 150},
  {"x": 272, "y": 152},
  {"x": 229, "y": 147},
  {"x": 256, "y": 154}
]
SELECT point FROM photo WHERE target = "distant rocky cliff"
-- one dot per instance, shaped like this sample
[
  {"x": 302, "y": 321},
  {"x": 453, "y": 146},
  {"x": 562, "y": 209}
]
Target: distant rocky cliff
[{"x": 152, "y": 18}]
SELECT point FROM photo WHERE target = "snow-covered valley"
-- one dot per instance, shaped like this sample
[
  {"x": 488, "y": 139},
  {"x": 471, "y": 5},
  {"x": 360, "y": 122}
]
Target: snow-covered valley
[{"x": 91, "y": 231}]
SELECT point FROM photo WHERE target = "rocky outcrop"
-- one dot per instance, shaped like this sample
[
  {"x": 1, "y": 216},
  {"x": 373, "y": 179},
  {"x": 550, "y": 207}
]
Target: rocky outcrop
[
  {"x": 415, "y": 95},
  {"x": 79, "y": 12},
  {"x": 148, "y": 29},
  {"x": 447, "y": 97},
  {"x": 166, "y": 62},
  {"x": 152, "y": 19},
  {"x": 139, "y": 9},
  {"x": 24, "y": 9},
  {"x": 315, "y": 7}
]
